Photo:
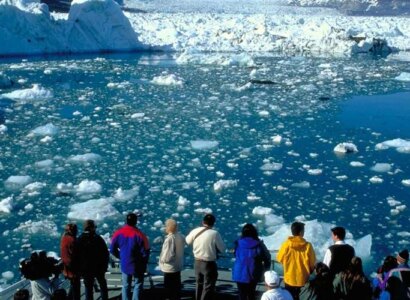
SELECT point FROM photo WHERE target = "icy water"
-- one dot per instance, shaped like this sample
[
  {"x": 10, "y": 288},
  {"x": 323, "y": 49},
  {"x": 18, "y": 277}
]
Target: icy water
[{"x": 204, "y": 138}]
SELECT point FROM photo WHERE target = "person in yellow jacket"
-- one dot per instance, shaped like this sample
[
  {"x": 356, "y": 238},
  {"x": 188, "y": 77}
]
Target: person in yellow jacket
[{"x": 298, "y": 259}]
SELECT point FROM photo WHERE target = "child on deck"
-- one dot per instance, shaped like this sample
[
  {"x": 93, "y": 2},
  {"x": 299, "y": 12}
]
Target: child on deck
[{"x": 274, "y": 291}]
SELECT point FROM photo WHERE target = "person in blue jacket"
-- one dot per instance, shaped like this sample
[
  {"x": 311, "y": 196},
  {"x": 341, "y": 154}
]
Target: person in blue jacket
[
  {"x": 131, "y": 246},
  {"x": 252, "y": 259}
]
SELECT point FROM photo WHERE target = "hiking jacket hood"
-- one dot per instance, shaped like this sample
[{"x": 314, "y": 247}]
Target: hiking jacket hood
[{"x": 298, "y": 259}]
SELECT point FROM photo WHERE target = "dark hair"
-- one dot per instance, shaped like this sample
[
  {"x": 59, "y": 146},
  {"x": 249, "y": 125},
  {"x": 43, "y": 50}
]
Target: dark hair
[
  {"x": 389, "y": 263},
  {"x": 340, "y": 232},
  {"x": 297, "y": 228},
  {"x": 132, "y": 219},
  {"x": 248, "y": 230},
  {"x": 209, "y": 220},
  {"x": 71, "y": 229},
  {"x": 89, "y": 225},
  {"x": 354, "y": 271},
  {"x": 321, "y": 269},
  {"x": 322, "y": 284},
  {"x": 22, "y": 294}
]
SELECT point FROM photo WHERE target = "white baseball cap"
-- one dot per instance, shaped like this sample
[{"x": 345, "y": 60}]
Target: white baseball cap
[{"x": 272, "y": 279}]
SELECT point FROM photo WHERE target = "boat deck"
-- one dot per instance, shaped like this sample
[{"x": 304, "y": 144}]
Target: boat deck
[{"x": 153, "y": 286}]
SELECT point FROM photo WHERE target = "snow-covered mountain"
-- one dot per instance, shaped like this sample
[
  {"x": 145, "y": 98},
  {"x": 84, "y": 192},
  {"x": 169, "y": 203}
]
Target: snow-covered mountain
[{"x": 360, "y": 7}]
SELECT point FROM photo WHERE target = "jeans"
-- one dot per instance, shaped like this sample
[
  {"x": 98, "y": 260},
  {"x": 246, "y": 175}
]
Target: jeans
[
  {"x": 126, "y": 286},
  {"x": 206, "y": 273},
  {"x": 89, "y": 286}
]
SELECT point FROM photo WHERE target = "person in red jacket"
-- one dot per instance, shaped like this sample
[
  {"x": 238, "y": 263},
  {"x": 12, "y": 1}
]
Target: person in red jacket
[
  {"x": 70, "y": 262},
  {"x": 131, "y": 246}
]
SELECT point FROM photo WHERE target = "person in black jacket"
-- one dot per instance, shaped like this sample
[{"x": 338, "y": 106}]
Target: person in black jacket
[{"x": 93, "y": 259}]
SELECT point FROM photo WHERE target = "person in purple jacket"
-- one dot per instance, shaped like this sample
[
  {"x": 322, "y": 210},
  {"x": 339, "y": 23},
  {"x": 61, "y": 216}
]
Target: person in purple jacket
[{"x": 131, "y": 246}]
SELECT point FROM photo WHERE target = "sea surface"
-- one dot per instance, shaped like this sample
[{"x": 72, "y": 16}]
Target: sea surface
[{"x": 221, "y": 133}]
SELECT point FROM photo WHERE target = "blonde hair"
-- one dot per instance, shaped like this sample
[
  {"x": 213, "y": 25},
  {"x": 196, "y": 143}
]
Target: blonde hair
[{"x": 171, "y": 226}]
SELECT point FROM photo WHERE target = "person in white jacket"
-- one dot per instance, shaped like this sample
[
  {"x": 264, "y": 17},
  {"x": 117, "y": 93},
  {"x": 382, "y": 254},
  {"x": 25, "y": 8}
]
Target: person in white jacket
[{"x": 171, "y": 259}]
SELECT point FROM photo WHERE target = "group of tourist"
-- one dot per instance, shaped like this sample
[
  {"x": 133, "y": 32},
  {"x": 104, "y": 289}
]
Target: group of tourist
[{"x": 339, "y": 276}]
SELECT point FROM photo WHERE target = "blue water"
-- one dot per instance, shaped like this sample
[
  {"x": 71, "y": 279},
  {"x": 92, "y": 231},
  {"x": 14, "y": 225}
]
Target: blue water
[{"x": 315, "y": 104}]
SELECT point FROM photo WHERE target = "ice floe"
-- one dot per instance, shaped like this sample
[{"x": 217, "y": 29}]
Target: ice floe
[
  {"x": 44, "y": 227},
  {"x": 96, "y": 209},
  {"x": 6, "y": 205},
  {"x": 168, "y": 79},
  {"x": 46, "y": 130},
  {"x": 85, "y": 158},
  {"x": 203, "y": 144},
  {"x": 16, "y": 182},
  {"x": 404, "y": 76},
  {"x": 88, "y": 187},
  {"x": 381, "y": 167},
  {"x": 224, "y": 184},
  {"x": 402, "y": 146},
  {"x": 37, "y": 92},
  {"x": 345, "y": 148}
]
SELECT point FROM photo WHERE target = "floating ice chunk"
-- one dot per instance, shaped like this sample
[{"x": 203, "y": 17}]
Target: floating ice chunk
[
  {"x": 252, "y": 197},
  {"x": 402, "y": 146},
  {"x": 404, "y": 76},
  {"x": 271, "y": 166},
  {"x": 318, "y": 234},
  {"x": 125, "y": 195},
  {"x": 46, "y": 139},
  {"x": 393, "y": 202},
  {"x": 263, "y": 113},
  {"x": 17, "y": 182},
  {"x": 406, "y": 182},
  {"x": 34, "y": 188},
  {"x": 171, "y": 80},
  {"x": 315, "y": 171},
  {"x": 64, "y": 188},
  {"x": 137, "y": 115},
  {"x": 357, "y": 164},
  {"x": 6, "y": 205},
  {"x": 203, "y": 144},
  {"x": 3, "y": 128},
  {"x": 44, "y": 164},
  {"x": 262, "y": 211},
  {"x": 46, "y": 130},
  {"x": 273, "y": 220},
  {"x": 376, "y": 180},
  {"x": 88, "y": 187},
  {"x": 277, "y": 139},
  {"x": 44, "y": 227},
  {"x": 363, "y": 246},
  {"x": 301, "y": 185},
  {"x": 158, "y": 224},
  {"x": 8, "y": 275},
  {"x": 182, "y": 201},
  {"x": 96, "y": 209},
  {"x": 203, "y": 210},
  {"x": 35, "y": 93},
  {"x": 381, "y": 167},
  {"x": 85, "y": 158},
  {"x": 345, "y": 148},
  {"x": 224, "y": 184}
]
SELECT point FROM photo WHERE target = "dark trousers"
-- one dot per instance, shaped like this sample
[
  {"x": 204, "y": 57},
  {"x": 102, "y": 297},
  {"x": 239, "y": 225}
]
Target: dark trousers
[
  {"x": 246, "y": 290},
  {"x": 89, "y": 286},
  {"x": 74, "y": 293},
  {"x": 172, "y": 284},
  {"x": 206, "y": 274},
  {"x": 293, "y": 290}
]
